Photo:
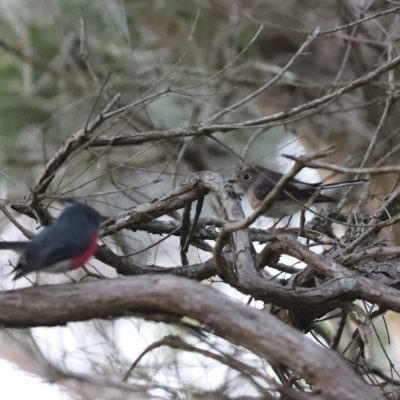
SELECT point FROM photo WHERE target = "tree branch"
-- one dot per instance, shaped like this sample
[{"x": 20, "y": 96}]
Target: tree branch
[{"x": 253, "y": 329}]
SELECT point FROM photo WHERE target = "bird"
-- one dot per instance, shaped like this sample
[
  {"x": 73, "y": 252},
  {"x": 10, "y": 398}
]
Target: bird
[
  {"x": 65, "y": 245},
  {"x": 257, "y": 182}
]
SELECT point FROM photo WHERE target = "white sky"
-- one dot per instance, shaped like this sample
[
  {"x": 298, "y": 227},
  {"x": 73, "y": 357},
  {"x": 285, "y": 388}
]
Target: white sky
[{"x": 15, "y": 384}]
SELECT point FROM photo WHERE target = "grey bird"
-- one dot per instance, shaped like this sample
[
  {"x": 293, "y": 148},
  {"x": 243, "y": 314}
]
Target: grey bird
[
  {"x": 257, "y": 183},
  {"x": 65, "y": 245}
]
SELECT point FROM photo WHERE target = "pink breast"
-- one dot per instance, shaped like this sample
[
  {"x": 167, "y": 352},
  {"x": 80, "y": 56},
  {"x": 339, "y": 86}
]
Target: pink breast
[{"x": 83, "y": 258}]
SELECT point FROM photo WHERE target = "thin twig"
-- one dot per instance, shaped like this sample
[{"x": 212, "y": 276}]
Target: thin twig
[
  {"x": 362, "y": 20},
  {"x": 226, "y": 110},
  {"x": 199, "y": 207},
  {"x": 177, "y": 343},
  {"x": 27, "y": 233},
  {"x": 185, "y": 229}
]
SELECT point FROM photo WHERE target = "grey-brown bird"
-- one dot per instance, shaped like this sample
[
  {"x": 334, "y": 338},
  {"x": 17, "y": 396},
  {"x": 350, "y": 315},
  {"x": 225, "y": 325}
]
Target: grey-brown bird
[{"x": 258, "y": 182}]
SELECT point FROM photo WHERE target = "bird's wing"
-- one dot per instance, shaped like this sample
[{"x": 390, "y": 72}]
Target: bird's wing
[
  {"x": 50, "y": 247},
  {"x": 302, "y": 191}
]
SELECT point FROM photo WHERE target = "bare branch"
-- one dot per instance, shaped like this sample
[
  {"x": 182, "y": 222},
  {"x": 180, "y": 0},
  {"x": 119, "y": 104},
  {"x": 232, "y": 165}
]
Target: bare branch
[
  {"x": 263, "y": 88},
  {"x": 270, "y": 338},
  {"x": 176, "y": 199},
  {"x": 394, "y": 10},
  {"x": 25, "y": 231}
]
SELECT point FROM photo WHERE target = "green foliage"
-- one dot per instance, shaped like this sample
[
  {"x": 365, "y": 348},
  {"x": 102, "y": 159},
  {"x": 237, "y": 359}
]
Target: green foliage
[
  {"x": 43, "y": 39},
  {"x": 16, "y": 112}
]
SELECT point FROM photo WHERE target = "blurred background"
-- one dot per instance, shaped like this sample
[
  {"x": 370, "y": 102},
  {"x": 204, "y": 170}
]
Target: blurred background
[{"x": 176, "y": 64}]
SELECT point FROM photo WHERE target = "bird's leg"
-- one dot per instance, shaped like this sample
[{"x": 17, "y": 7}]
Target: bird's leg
[
  {"x": 280, "y": 219},
  {"x": 289, "y": 221},
  {"x": 69, "y": 277},
  {"x": 277, "y": 222}
]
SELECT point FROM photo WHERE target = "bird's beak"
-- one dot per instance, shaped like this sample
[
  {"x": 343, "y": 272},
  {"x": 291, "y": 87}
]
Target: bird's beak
[{"x": 232, "y": 180}]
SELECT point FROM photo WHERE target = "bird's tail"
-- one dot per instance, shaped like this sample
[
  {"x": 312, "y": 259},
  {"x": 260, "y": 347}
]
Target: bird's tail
[
  {"x": 19, "y": 274},
  {"x": 340, "y": 184},
  {"x": 13, "y": 245}
]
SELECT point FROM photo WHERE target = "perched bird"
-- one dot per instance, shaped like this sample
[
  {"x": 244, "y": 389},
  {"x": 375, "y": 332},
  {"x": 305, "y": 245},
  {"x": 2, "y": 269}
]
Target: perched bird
[
  {"x": 258, "y": 182},
  {"x": 65, "y": 245}
]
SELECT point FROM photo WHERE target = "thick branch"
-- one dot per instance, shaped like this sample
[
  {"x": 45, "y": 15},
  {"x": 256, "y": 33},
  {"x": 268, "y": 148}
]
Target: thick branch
[
  {"x": 176, "y": 199},
  {"x": 255, "y": 330}
]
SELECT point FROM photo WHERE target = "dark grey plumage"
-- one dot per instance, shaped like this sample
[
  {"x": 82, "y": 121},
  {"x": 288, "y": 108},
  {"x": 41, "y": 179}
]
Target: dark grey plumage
[
  {"x": 56, "y": 245},
  {"x": 257, "y": 183}
]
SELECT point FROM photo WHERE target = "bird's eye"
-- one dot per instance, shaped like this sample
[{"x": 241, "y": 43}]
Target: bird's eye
[{"x": 246, "y": 177}]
